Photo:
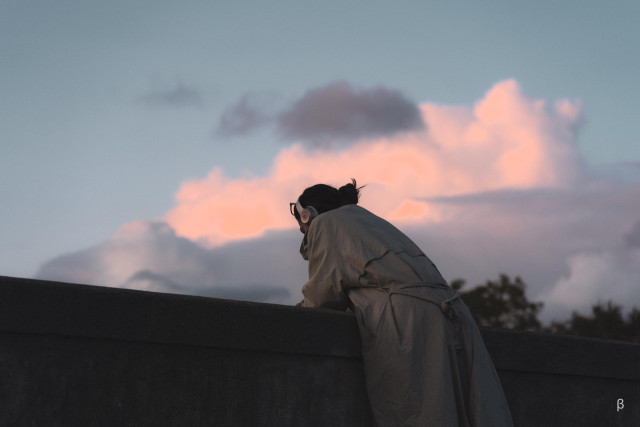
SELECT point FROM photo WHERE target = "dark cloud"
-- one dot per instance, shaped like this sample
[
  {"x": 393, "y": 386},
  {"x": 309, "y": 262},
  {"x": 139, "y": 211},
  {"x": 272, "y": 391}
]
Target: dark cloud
[
  {"x": 247, "y": 115},
  {"x": 179, "y": 97},
  {"x": 338, "y": 112}
]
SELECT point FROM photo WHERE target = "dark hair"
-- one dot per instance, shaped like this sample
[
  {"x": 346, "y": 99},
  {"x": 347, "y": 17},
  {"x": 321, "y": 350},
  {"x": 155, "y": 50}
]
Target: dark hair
[{"x": 325, "y": 197}]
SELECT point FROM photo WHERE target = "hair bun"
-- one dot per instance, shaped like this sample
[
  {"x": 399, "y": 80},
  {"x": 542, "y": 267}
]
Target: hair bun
[{"x": 349, "y": 194}]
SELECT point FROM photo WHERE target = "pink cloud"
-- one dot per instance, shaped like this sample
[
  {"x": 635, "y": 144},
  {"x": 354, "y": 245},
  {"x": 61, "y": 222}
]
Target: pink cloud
[{"x": 506, "y": 140}]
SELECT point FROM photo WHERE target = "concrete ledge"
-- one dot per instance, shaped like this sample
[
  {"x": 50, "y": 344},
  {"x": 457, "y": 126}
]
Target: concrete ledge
[
  {"x": 42, "y": 307},
  {"x": 85, "y": 355},
  {"x": 563, "y": 355}
]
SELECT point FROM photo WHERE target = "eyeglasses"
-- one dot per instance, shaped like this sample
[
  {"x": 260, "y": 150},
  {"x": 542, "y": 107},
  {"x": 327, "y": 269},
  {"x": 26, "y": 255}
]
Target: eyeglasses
[{"x": 292, "y": 208}]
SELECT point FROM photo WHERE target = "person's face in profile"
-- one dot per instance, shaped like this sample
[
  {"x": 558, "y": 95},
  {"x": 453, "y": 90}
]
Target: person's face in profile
[{"x": 303, "y": 227}]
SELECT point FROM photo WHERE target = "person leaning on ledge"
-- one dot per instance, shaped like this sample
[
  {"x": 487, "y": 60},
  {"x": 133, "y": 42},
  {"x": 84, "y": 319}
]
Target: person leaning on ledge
[{"x": 425, "y": 361}]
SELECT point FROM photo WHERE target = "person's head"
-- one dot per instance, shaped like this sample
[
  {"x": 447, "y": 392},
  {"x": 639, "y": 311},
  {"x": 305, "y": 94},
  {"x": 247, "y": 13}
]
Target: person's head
[{"x": 322, "y": 198}]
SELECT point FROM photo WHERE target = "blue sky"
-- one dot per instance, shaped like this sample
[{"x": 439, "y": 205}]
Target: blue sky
[{"x": 107, "y": 108}]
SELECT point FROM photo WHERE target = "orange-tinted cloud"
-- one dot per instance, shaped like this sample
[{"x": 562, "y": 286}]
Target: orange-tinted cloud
[{"x": 505, "y": 140}]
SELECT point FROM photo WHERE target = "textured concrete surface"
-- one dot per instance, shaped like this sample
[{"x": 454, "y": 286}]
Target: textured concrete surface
[{"x": 85, "y": 355}]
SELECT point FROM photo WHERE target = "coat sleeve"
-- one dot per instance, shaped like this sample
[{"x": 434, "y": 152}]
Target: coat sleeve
[{"x": 328, "y": 269}]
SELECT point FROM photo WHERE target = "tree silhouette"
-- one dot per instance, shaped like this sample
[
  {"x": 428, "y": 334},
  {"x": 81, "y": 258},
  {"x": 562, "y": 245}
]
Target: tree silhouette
[
  {"x": 504, "y": 304},
  {"x": 606, "y": 321},
  {"x": 501, "y": 304}
]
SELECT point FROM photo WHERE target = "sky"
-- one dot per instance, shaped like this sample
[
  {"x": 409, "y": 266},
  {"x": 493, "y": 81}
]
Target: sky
[{"x": 156, "y": 145}]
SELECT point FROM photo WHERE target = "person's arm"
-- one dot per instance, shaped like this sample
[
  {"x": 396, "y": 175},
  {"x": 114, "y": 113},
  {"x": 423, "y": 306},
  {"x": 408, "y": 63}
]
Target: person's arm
[{"x": 328, "y": 269}]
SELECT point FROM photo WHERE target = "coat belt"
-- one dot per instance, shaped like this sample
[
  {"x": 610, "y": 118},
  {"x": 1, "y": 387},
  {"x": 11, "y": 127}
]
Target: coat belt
[{"x": 444, "y": 304}]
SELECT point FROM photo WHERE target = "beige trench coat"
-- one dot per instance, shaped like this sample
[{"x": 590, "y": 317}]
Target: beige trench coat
[{"x": 425, "y": 361}]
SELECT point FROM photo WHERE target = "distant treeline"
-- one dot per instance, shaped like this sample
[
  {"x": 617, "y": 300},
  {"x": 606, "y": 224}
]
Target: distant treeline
[{"x": 504, "y": 304}]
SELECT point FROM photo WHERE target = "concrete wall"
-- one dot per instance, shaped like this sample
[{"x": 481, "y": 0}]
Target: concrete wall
[{"x": 84, "y": 355}]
